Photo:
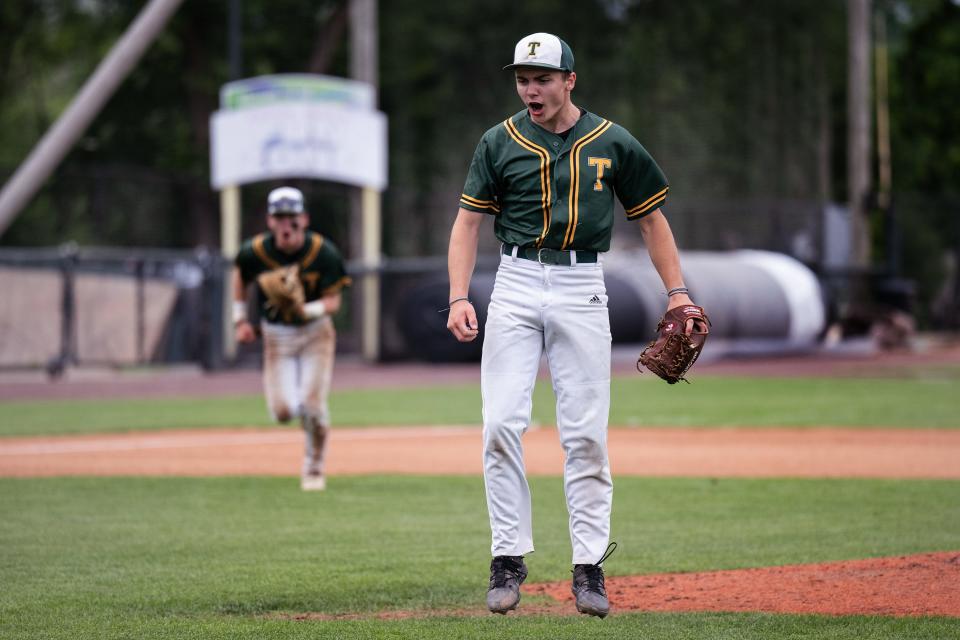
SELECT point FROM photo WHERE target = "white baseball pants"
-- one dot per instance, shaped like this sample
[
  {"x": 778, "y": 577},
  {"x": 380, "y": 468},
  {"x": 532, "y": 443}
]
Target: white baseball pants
[
  {"x": 297, "y": 372},
  {"x": 560, "y": 311}
]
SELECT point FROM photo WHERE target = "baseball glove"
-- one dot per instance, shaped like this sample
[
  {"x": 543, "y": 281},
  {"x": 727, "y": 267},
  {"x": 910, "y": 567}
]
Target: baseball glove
[
  {"x": 673, "y": 352},
  {"x": 284, "y": 292}
]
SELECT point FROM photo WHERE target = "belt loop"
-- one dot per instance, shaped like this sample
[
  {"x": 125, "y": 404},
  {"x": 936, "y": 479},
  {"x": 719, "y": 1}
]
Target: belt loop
[
  {"x": 513, "y": 252},
  {"x": 573, "y": 258}
]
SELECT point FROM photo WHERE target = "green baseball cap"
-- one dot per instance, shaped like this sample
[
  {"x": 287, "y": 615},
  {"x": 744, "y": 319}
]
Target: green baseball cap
[{"x": 542, "y": 50}]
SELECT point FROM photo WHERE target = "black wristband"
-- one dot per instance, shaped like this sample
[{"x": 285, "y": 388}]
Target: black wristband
[{"x": 451, "y": 303}]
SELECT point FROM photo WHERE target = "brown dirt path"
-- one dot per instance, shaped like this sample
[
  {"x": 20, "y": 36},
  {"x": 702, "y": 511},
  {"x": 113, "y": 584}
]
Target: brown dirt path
[{"x": 823, "y": 452}]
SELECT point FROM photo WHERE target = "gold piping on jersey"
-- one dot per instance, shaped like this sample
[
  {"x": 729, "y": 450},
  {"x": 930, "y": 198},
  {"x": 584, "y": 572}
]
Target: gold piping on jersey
[
  {"x": 574, "y": 202},
  {"x": 480, "y": 204},
  {"x": 545, "y": 198},
  {"x": 261, "y": 252},
  {"x": 648, "y": 204},
  {"x": 345, "y": 281},
  {"x": 316, "y": 243}
]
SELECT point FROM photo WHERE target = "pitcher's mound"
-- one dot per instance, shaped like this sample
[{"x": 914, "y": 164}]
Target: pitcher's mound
[{"x": 919, "y": 585}]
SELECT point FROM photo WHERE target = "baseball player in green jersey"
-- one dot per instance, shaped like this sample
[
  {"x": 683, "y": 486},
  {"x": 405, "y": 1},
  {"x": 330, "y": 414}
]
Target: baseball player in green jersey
[
  {"x": 298, "y": 352},
  {"x": 548, "y": 175}
]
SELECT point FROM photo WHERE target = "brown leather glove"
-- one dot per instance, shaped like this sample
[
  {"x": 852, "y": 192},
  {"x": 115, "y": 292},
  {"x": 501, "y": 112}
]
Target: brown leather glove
[
  {"x": 284, "y": 292},
  {"x": 673, "y": 352}
]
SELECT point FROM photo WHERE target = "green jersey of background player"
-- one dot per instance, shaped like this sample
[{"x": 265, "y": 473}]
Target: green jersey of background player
[{"x": 549, "y": 175}]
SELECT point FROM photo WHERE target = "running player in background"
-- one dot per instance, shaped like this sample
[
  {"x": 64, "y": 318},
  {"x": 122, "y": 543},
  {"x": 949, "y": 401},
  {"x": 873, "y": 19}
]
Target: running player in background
[
  {"x": 548, "y": 175},
  {"x": 298, "y": 353}
]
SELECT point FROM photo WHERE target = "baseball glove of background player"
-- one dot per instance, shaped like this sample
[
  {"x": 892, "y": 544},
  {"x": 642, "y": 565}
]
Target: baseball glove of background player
[
  {"x": 673, "y": 352},
  {"x": 284, "y": 292}
]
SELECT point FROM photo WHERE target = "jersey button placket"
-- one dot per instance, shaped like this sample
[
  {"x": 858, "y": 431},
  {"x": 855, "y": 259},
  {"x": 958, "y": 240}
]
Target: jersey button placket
[
  {"x": 554, "y": 181},
  {"x": 557, "y": 164}
]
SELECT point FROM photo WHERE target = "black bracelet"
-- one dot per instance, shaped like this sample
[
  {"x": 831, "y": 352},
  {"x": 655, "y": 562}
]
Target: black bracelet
[
  {"x": 452, "y": 302},
  {"x": 677, "y": 290}
]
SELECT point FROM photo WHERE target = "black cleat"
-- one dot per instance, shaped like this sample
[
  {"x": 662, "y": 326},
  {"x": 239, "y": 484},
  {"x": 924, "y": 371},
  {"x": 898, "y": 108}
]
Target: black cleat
[
  {"x": 588, "y": 587},
  {"x": 589, "y": 590},
  {"x": 507, "y": 573}
]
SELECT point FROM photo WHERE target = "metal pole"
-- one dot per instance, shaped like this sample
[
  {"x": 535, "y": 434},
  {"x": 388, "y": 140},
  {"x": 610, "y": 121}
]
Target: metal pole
[
  {"x": 58, "y": 140},
  {"x": 363, "y": 66},
  {"x": 230, "y": 195},
  {"x": 141, "y": 310},
  {"x": 884, "y": 171},
  {"x": 235, "y": 39},
  {"x": 68, "y": 313},
  {"x": 229, "y": 245},
  {"x": 858, "y": 137},
  {"x": 884, "y": 166},
  {"x": 371, "y": 281}
]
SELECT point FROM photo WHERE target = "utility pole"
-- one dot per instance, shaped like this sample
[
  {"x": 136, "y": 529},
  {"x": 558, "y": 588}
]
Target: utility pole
[
  {"x": 891, "y": 231},
  {"x": 365, "y": 215},
  {"x": 230, "y": 205},
  {"x": 858, "y": 120}
]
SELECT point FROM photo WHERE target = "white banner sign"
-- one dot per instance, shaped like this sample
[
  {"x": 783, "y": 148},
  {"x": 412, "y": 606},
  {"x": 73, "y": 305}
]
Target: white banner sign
[{"x": 299, "y": 140}]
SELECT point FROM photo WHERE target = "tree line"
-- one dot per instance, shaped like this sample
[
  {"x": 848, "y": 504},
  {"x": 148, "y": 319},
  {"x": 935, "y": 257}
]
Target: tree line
[{"x": 743, "y": 103}]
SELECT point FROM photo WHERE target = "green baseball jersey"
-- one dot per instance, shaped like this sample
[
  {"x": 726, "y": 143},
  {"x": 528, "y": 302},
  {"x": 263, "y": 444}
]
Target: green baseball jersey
[
  {"x": 547, "y": 191},
  {"x": 321, "y": 266}
]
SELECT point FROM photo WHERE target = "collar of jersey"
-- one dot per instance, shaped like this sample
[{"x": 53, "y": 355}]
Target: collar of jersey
[
  {"x": 296, "y": 256},
  {"x": 529, "y": 128}
]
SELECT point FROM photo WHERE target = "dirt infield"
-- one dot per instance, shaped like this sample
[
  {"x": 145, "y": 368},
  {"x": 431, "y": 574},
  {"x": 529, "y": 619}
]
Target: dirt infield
[{"x": 818, "y": 453}]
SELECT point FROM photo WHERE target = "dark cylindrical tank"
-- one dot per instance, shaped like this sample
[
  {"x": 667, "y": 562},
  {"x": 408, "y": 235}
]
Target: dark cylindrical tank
[{"x": 758, "y": 295}]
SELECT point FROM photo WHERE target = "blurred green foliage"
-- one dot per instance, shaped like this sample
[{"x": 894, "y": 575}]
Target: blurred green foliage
[{"x": 743, "y": 102}]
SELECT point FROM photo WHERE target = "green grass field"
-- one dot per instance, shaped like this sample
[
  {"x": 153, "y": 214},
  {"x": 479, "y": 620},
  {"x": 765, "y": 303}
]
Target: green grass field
[
  {"x": 240, "y": 557},
  {"x": 710, "y": 401},
  {"x": 237, "y": 558}
]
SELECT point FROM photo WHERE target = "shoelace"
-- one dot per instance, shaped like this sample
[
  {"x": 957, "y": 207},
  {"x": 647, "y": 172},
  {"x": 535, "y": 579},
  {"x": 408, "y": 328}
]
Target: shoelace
[
  {"x": 503, "y": 570},
  {"x": 609, "y": 552},
  {"x": 594, "y": 573},
  {"x": 594, "y": 576}
]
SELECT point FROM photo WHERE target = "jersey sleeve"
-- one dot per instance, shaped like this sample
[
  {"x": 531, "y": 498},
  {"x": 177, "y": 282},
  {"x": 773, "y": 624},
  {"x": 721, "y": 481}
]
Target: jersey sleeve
[
  {"x": 641, "y": 185},
  {"x": 480, "y": 189},
  {"x": 333, "y": 272},
  {"x": 247, "y": 262}
]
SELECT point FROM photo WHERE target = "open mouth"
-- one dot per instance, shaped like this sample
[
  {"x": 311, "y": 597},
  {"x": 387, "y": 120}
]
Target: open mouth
[{"x": 536, "y": 108}]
